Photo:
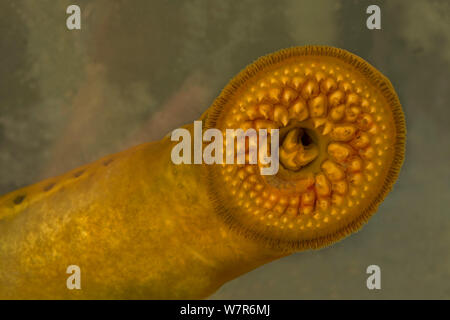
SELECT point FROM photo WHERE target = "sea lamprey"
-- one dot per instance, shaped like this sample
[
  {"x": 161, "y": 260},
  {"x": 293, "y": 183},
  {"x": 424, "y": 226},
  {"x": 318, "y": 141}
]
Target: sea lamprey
[{"x": 140, "y": 226}]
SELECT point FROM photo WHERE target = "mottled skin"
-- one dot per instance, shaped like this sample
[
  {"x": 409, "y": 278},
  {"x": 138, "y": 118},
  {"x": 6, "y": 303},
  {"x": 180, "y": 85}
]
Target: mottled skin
[{"x": 138, "y": 226}]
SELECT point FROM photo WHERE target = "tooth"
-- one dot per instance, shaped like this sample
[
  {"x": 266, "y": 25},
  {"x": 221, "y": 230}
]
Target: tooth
[
  {"x": 273, "y": 197},
  {"x": 299, "y": 110},
  {"x": 337, "y": 199},
  {"x": 328, "y": 127},
  {"x": 318, "y": 106},
  {"x": 297, "y": 82},
  {"x": 283, "y": 200},
  {"x": 322, "y": 185},
  {"x": 252, "y": 112},
  {"x": 310, "y": 89},
  {"x": 323, "y": 204},
  {"x": 320, "y": 76},
  {"x": 355, "y": 164},
  {"x": 308, "y": 72},
  {"x": 260, "y": 95},
  {"x": 370, "y": 166},
  {"x": 290, "y": 141},
  {"x": 273, "y": 81},
  {"x": 373, "y": 130},
  {"x": 253, "y": 178},
  {"x": 241, "y": 174},
  {"x": 345, "y": 86},
  {"x": 263, "y": 83},
  {"x": 284, "y": 80},
  {"x": 367, "y": 153},
  {"x": 333, "y": 170},
  {"x": 365, "y": 121},
  {"x": 249, "y": 98},
  {"x": 351, "y": 99},
  {"x": 336, "y": 98},
  {"x": 343, "y": 133},
  {"x": 294, "y": 201},
  {"x": 340, "y": 187},
  {"x": 362, "y": 140},
  {"x": 352, "y": 113},
  {"x": 280, "y": 114},
  {"x": 266, "y": 110},
  {"x": 268, "y": 205},
  {"x": 305, "y": 156},
  {"x": 328, "y": 85},
  {"x": 355, "y": 178},
  {"x": 319, "y": 122},
  {"x": 234, "y": 183},
  {"x": 288, "y": 159},
  {"x": 246, "y": 186},
  {"x": 365, "y": 104},
  {"x": 274, "y": 93},
  {"x": 307, "y": 210},
  {"x": 289, "y": 95},
  {"x": 339, "y": 151},
  {"x": 308, "y": 198},
  {"x": 337, "y": 113}
]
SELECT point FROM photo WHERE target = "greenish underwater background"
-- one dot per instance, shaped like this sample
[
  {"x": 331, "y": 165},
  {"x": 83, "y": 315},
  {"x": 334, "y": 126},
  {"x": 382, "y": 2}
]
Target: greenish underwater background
[{"x": 139, "y": 69}]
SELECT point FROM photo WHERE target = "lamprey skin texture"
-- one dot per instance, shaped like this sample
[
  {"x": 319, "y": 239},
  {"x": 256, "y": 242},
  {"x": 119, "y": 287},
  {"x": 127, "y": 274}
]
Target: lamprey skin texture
[
  {"x": 141, "y": 227},
  {"x": 138, "y": 226}
]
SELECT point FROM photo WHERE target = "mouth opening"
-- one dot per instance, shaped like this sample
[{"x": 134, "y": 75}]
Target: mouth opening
[{"x": 298, "y": 147}]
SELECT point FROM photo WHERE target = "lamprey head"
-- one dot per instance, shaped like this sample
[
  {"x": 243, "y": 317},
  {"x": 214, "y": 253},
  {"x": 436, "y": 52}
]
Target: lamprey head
[{"x": 341, "y": 137}]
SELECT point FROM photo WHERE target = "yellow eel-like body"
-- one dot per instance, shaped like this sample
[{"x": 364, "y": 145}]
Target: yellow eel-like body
[{"x": 141, "y": 227}]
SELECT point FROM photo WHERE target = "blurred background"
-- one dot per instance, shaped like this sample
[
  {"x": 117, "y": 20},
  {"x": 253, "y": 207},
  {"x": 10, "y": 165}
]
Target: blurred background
[{"x": 139, "y": 69}]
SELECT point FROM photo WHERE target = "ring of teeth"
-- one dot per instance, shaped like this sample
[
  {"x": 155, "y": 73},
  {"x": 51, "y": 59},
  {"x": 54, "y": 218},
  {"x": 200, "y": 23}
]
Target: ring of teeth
[{"x": 330, "y": 185}]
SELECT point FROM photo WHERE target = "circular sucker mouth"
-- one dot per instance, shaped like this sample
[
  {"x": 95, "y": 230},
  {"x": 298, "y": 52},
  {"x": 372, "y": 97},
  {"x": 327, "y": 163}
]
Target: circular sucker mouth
[{"x": 341, "y": 145}]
